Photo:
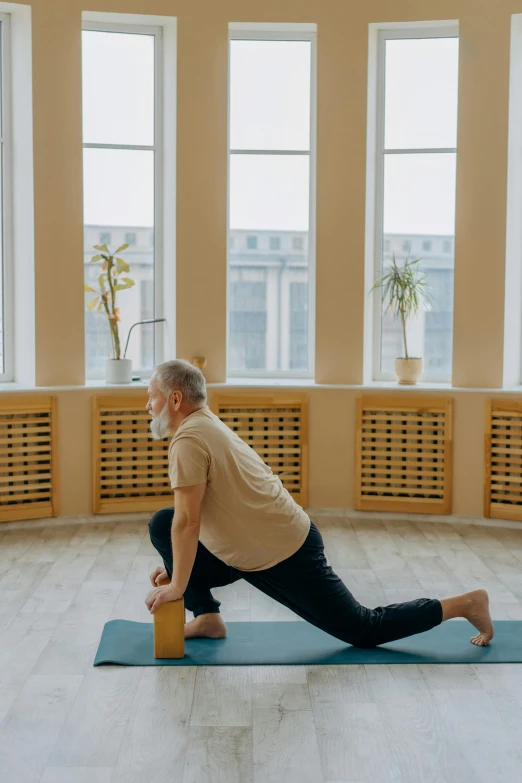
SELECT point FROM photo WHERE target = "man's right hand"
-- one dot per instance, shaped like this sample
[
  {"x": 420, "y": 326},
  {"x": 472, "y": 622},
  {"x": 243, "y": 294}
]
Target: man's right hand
[{"x": 159, "y": 577}]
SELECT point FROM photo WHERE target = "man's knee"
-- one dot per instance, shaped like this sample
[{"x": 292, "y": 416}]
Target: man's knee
[
  {"x": 161, "y": 523},
  {"x": 364, "y": 645},
  {"x": 364, "y": 639},
  {"x": 361, "y": 630}
]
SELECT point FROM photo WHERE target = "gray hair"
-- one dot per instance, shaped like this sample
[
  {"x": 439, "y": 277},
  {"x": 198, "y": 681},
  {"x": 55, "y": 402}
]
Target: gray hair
[{"x": 180, "y": 375}]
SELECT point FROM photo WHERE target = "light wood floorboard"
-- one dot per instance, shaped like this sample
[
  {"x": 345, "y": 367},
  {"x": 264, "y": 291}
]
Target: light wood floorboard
[{"x": 62, "y": 721}]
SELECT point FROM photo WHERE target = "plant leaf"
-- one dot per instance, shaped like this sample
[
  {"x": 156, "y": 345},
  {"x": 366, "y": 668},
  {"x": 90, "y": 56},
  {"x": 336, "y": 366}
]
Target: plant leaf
[
  {"x": 127, "y": 283},
  {"x": 87, "y": 289},
  {"x": 92, "y": 304},
  {"x": 122, "y": 265},
  {"x": 94, "y": 259},
  {"x": 103, "y": 248},
  {"x": 121, "y": 249}
]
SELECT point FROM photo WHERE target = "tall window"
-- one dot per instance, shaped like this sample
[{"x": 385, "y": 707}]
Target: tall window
[
  {"x": 415, "y": 188},
  {"x": 6, "y": 314},
  {"x": 271, "y": 201},
  {"x": 122, "y": 182}
]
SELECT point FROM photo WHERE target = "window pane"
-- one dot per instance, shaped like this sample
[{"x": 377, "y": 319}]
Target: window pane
[
  {"x": 2, "y": 270},
  {"x": 269, "y": 191},
  {"x": 145, "y": 332},
  {"x": 119, "y": 202},
  {"x": 269, "y": 209},
  {"x": 248, "y": 318},
  {"x": 118, "y": 188},
  {"x": 268, "y": 306},
  {"x": 421, "y": 93},
  {"x": 118, "y": 88},
  {"x": 1, "y": 82},
  {"x": 419, "y": 213},
  {"x": 298, "y": 326},
  {"x": 270, "y": 95}
]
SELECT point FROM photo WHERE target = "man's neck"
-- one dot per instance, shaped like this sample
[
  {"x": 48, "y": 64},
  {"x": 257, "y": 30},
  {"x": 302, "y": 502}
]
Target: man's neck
[{"x": 190, "y": 412}]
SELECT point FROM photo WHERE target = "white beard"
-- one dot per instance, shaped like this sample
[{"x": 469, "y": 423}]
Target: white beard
[{"x": 160, "y": 427}]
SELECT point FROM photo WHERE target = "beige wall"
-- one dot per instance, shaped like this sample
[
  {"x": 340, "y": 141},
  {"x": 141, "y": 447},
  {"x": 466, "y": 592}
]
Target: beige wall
[{"x": 201, "y": 215}]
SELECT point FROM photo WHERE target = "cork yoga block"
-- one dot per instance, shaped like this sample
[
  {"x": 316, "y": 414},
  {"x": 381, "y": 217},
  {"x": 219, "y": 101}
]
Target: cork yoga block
[{"x": 169, "y": 637}]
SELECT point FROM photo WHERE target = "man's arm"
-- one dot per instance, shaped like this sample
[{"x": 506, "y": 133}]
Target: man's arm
[{"x": 185, "y": 532}]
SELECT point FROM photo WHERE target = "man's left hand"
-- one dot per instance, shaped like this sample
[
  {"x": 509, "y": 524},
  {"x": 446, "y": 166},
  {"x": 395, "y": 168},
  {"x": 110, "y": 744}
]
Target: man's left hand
[{"x": 162, "y": 595}]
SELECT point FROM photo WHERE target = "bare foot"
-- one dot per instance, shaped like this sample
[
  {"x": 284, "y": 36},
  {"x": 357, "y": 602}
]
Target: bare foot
[
  {"x": 211, "y": 626},
  {"x": 479, "y": 616}
]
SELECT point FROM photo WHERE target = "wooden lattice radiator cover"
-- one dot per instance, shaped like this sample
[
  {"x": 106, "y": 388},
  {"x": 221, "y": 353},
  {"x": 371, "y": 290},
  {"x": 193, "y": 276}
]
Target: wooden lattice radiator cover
[
  {"x": 28, "y": 457},
  {"x": 403, "y": 454},
  {"x": 131, "y": 469},
  {"x": 503, "y": 460},
  {"x": 276, "y": 427}
]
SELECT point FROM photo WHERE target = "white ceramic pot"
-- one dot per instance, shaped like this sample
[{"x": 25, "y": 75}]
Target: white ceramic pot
[
  {"x": 118, "y": 370},
  {"x": 408, "y": 371}
]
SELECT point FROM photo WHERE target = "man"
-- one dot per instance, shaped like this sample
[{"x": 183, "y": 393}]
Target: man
[{"x": 232, "y": 519}]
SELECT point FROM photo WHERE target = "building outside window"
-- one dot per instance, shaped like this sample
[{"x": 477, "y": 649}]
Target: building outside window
[
  {"x": 271, "y": 201},
  {"x": 415, "y": 187},
  {"x": 144, "y": 332},
  {"x": 298, "y": 325},
  {"x": 248, "y": 319},
  {"x": 130, "y": 238},
  {"x": 105, "y": 237}
]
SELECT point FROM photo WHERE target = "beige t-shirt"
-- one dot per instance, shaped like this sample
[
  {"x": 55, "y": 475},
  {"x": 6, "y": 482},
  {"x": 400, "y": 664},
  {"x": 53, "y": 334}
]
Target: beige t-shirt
[{"x": 248, "y": 519}]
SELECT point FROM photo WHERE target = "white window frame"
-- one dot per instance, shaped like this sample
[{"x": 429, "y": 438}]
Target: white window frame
[
  {"x": 281, "y": 32},
  {"x": 437, "y": 30},
  {"x": 157, "y": 148},
  {"x": 6, "y": 215}
]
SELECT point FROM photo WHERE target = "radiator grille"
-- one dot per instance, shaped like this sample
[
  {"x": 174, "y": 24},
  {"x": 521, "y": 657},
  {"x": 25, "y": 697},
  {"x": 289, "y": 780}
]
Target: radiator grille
[
  {"x": 27, "y": 457},
  {"x": 131, "y": 469},
  {"x": 503, "y": 460},
  {"x": 403, "y": 455},
  {"x": 277, "y": 429}
]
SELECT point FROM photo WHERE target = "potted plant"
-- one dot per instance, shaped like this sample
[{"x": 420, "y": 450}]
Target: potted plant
[
  {"x": 117, "y": 370},
  {"x": 404, "y": 293}
]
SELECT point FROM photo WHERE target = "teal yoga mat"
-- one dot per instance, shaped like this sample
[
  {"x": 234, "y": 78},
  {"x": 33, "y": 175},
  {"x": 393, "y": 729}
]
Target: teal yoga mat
[{"x": 289, "y": 643}]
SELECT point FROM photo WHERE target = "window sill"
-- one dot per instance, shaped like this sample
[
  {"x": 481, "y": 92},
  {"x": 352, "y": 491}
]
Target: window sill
[
  {"x": 299, "y": 383},
  {"x": 98, "y": 384},
  {"x": 271, "y": 383}
]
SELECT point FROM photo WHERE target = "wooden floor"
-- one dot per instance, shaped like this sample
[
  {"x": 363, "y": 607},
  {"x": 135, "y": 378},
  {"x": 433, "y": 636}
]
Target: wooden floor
[{"x": 63, "y": 721}]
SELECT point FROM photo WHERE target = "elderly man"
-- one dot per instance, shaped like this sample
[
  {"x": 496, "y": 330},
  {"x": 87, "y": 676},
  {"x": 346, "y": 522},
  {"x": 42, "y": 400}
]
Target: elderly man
[{"x": 233, "y": 519}]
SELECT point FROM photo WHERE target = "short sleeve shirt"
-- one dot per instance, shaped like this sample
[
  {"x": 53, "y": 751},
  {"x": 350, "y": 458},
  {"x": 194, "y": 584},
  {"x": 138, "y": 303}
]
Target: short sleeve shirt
[{"x": 248, "y": 519}]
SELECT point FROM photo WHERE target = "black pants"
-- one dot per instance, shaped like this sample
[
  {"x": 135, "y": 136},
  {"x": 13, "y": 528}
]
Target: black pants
[{"x": 304, "y": 583}]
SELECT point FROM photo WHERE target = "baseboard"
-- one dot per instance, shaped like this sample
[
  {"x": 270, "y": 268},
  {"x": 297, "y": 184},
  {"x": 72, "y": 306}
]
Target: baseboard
[
  {"x": 451, "y": 519},
  {"x": 349, "y": 513},
  {"x": 81, "y": 519}
]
